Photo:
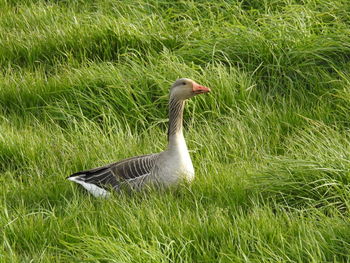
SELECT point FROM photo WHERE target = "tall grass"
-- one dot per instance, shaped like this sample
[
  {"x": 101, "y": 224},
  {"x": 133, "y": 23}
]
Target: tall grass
[{"x": 85, "y": 83}]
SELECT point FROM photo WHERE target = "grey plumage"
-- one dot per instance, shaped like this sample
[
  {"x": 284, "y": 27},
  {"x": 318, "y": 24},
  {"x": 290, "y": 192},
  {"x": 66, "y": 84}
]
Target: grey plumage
[
  {"x": 176, "y": 108},
  {"x": 115, "y": 174},
  {"x": 165, "y": 168}
]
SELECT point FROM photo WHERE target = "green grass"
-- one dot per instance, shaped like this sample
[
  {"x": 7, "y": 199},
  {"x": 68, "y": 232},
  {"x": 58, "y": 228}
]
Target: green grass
[{"x": 85, "y": 83}]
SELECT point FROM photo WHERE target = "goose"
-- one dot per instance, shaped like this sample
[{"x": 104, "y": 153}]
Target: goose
[{"x": 160, "y": 169}]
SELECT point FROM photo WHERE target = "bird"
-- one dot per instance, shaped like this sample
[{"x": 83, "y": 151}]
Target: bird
[{"x": 162, "y": 169}]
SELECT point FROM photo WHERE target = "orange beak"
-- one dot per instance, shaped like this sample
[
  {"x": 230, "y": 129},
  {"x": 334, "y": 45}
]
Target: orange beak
[{"x": 199, "y": 89}]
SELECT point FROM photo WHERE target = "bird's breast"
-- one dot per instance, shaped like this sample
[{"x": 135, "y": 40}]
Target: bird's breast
[{"x": 174, "y": 166}]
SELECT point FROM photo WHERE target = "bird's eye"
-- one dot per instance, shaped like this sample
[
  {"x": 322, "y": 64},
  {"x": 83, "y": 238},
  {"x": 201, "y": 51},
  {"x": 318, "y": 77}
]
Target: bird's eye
[{"x": 183, "y": 83}]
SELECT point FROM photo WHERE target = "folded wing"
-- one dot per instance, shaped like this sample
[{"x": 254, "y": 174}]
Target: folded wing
[{"x": 132, "y": 171}]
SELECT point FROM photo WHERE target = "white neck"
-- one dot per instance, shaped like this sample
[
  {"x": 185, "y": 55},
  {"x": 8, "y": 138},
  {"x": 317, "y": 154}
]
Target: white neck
[{"x": 177, "y": 142}]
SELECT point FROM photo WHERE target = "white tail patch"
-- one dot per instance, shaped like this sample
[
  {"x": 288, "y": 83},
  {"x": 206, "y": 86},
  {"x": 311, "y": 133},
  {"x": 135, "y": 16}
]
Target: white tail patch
[{"x": 93, "y": 189}]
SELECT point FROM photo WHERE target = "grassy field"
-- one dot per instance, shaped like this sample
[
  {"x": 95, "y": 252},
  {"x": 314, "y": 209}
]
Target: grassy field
[{"x": 85, "y": 83}]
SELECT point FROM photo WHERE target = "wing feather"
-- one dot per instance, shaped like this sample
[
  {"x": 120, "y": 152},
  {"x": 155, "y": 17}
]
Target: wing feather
[{"x": 115, "y": 174}]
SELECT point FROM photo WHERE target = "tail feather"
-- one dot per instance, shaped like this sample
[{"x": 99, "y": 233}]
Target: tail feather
[
  {"x": 96, "y": 181},
  {"x": 92, "y": 188}
]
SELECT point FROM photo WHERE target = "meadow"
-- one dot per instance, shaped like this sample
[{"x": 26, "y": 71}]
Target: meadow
[{"x": 85, "y": 83}]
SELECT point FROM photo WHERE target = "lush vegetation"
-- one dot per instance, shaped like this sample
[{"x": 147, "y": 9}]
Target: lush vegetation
[{"x": 85, "y": 83}]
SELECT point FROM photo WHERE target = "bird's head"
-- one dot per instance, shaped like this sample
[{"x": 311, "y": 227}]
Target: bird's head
[{"x": 183, "y": 89}]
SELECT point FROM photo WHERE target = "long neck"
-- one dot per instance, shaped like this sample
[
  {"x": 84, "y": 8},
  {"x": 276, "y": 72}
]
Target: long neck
[{"x": 175, "y": 134}]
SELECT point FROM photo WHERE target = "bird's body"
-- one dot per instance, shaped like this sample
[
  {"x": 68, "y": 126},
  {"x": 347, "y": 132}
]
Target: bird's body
[{"x": 161, "y": 169}]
